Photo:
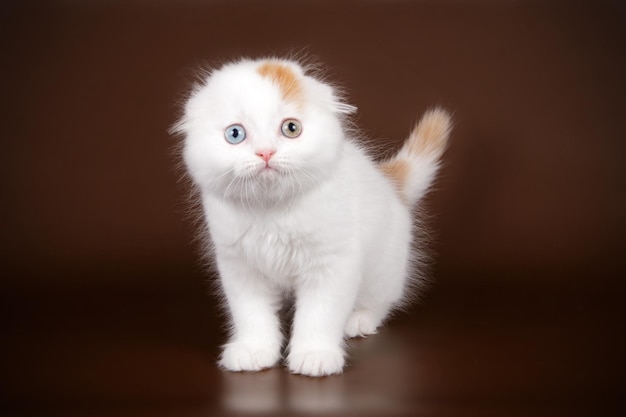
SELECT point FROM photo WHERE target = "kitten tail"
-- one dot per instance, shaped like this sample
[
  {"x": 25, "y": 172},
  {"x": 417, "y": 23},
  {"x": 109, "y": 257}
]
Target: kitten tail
[{"x": 415, "y": 166}]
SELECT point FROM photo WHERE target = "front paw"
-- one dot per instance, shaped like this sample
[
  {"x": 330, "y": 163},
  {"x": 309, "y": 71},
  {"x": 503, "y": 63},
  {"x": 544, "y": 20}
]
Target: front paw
[
  {"x": 316, "y": 362},
  {"x": 238, "y": 356}
]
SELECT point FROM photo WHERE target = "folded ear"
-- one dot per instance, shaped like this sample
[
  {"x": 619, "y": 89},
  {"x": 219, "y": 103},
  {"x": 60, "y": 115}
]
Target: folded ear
[
  {"x": 337, "y": 101},
  {"x": 344, "y": 108},
  {"x": 329, "y": 97}
]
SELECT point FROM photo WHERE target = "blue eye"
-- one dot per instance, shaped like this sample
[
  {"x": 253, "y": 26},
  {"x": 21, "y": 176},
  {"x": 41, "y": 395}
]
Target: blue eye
[{"x": 235, "y": 134}]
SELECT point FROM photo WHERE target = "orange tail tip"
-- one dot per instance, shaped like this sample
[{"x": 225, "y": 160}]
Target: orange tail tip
[
  {"x": 415, "y": 166},
  {"x": 430, "y": 136}
]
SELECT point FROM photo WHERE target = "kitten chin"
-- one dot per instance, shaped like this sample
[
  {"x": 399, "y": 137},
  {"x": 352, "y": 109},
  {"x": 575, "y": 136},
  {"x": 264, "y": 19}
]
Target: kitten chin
[{"x": 295, "y": 206}]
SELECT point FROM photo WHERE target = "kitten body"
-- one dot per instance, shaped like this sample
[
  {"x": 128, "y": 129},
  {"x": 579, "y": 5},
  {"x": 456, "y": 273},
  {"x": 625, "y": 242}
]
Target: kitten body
[{"x": 307, "y": 213}]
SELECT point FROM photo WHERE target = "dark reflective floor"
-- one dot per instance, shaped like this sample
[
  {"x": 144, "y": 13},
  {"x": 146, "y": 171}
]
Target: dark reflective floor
[{"x": 472, "y": 350}]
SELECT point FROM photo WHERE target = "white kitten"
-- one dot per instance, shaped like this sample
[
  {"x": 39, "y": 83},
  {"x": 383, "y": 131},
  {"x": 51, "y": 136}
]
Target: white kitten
[{"x": 295, "y": 206}]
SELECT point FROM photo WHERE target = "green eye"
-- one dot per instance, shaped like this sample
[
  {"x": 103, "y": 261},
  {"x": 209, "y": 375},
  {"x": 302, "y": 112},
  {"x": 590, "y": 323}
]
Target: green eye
[
  {"x": 235, "y": 134},
  {"x": 291, "y": 128}
]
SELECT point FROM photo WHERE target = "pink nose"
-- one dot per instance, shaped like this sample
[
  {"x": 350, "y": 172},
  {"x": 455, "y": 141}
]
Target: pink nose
[{"x": 266, "y": 155}]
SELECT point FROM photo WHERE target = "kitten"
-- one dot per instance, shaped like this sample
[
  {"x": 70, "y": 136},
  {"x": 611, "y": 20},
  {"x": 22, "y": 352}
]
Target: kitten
[{"x": 295, "y": 206}]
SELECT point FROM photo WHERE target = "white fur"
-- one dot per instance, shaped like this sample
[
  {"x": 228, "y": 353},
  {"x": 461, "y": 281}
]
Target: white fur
[{"x": 324, "y": 224}]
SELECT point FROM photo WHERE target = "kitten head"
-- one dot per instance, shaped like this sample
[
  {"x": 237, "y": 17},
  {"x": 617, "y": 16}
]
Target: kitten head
[{"x": 258, "y": 132}]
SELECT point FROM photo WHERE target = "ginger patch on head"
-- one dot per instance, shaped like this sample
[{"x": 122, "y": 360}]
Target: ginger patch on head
[{"x": 284, "y": 78}]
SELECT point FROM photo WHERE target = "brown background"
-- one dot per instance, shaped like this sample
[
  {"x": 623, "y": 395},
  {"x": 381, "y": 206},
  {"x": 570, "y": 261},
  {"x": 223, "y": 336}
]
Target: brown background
[{"x": 106, "y": 310}]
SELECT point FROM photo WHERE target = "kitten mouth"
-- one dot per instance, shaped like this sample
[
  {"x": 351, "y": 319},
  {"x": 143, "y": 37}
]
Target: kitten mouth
[{"x": 267, "y": 170}]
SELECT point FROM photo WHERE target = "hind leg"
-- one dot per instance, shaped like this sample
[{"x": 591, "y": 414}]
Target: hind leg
[
  {"x": 378, "y": 296},
  {"x": 375, "y": 301},
  {"x": 385, "y": 272}
]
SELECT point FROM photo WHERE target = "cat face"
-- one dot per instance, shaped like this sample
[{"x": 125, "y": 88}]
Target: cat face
[{"x": 261, "y": 132}]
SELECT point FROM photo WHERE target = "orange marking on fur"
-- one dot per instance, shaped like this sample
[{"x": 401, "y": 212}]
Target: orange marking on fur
[
  {"x": 397, "y": 170},
  {"x": 431, "y": 134},
  {"x": 284, "y": 77}
]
